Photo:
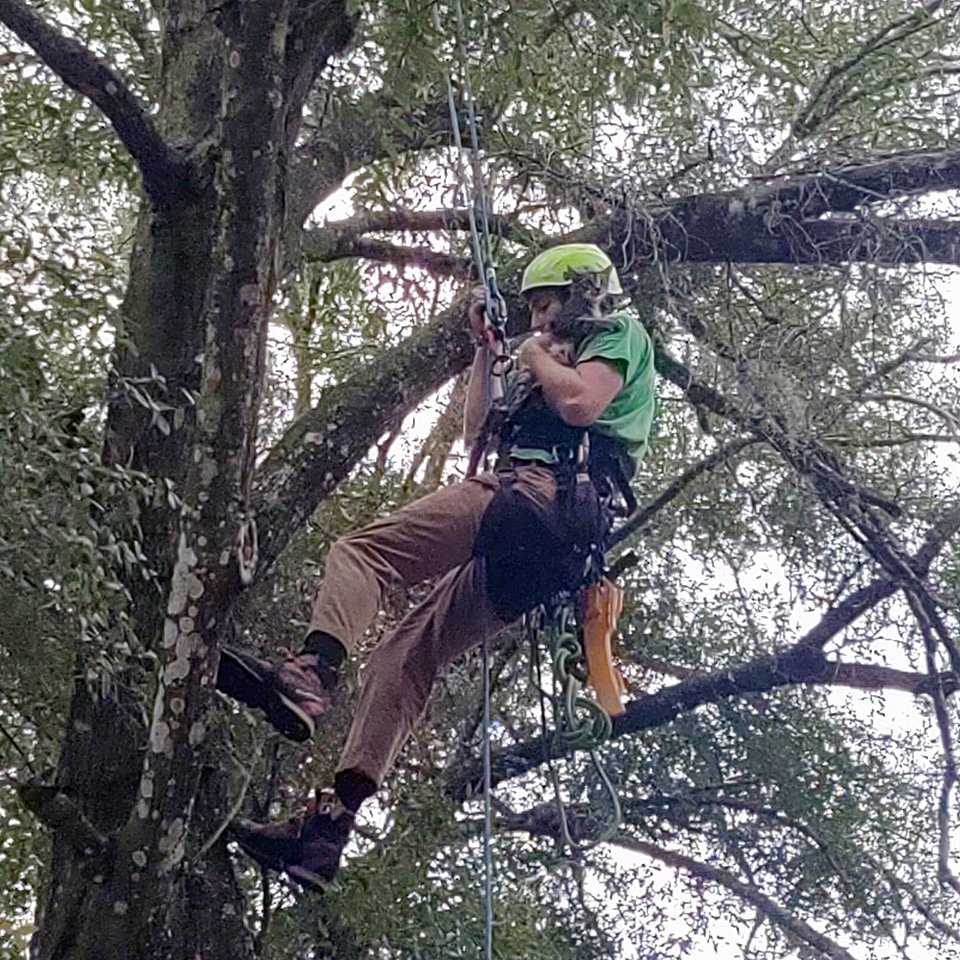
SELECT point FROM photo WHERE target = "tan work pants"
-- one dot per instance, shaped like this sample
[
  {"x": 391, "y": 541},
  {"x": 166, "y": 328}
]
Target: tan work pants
[{"x": 427, "y": 538}]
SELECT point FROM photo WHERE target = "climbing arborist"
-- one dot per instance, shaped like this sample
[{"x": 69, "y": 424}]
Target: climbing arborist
[{"x": 499, "y": 542}]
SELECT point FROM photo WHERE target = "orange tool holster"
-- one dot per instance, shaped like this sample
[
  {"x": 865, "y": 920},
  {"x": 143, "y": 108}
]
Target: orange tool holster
[{"x": 601, "y": 604}]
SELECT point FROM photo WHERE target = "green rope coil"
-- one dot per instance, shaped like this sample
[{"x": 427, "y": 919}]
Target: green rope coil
[{"x": 579, "y": 724}]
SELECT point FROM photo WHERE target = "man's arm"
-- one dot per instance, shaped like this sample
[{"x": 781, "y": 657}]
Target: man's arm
[{"x": 577, "y": 394}]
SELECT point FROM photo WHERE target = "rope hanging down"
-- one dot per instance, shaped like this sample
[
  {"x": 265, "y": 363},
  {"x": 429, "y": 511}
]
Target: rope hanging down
[
  {"x": 495, "y": 313},
  {"x": 579, "y": 723}
]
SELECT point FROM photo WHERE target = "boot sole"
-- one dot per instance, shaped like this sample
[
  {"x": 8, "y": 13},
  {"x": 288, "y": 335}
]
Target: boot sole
[{"x": 245, "y": 679}]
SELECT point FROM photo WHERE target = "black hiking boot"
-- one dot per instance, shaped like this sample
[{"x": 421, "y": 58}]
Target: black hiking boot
[
  {"x": 290, "y": 693},
  {"x": 306, "y": 848}
]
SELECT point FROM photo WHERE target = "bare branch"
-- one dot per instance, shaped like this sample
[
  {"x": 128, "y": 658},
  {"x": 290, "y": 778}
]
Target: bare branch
[
  {"x": 949, "y": 779},
  {"x": 167, "y": 175},
  {"x": 804, "y": 662},
  {"x": 323, "y": 247},
  {"x": 645, "y": 514},
  {"x": 913, "y": 352},
  {"x": 772, "y": 910},
  {"x": 347, "y": 238},
  {"x": 423, "y": 221},
  {"x": 906, "y": 438},
  {"x": 870, "y": 676},
  {"x": 947, "y": 416}
]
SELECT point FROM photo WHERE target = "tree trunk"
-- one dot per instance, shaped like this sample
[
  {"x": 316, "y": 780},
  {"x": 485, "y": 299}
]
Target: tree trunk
[{"x": 183, "y": 410}]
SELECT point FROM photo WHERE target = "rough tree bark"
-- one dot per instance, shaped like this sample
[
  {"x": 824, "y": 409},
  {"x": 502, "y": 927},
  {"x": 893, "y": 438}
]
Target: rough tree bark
[
  {"x": 183, "y": 409},
  {"x": 140, "y": 793}
]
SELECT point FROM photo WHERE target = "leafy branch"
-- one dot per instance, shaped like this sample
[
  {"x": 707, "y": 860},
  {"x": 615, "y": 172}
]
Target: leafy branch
[
  {"x": 167, "y": 176},
  {"x": 819, "y": 108}
]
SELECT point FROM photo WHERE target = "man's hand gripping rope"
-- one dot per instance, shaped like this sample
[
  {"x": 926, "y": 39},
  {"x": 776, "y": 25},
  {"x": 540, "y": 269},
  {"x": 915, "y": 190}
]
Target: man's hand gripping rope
[{"x": 487, "y": 314}]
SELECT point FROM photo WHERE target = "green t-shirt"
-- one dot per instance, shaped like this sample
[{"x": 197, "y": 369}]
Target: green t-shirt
[{"x": 629, "y": 416}]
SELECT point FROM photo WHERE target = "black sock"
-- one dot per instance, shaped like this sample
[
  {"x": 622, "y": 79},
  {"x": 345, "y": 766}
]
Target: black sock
[
  {"x": 330, "y": 655},
  {"x": 352, "y": 788}
]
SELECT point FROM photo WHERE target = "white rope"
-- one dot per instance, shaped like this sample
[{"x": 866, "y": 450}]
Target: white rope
[{"x": 495, "y": 311}]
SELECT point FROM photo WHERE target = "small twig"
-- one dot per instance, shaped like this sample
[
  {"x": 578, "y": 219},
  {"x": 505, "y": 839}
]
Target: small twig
[
  {"x": 645, "y": 514},
  {"x": 949, "y": 780},
  {"x": 885, "y": 369},
  {"x": 16, "y": 746},
  {"x": 949, "y": 418},
  {"x": 265, "y": 887},
  {"x": 231, "y": 813}
]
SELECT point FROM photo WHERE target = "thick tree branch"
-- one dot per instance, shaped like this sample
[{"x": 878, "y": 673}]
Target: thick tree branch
[
  {"x": 422, "y": 221},
  {"x": 356, "y": 133},
  {"x": 57, "y": 811},
  {"x": 870, "y": 676},
  {"x": 166, "y": 175},
  {"x": 791, "y": 219},
  {"x": 348, "y": 238},
  {"x": 804, "y": 662},
  {"x": 321, "y": 448},
  {"x": 717, "y": 229},
  {"x": 322, "y": 247}
]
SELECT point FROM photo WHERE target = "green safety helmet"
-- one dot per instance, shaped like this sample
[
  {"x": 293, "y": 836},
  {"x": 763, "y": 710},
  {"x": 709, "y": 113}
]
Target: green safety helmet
[{"x": 558, "y": 266}]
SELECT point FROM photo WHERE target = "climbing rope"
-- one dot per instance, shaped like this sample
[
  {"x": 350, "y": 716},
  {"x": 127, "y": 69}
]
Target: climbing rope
[
  {"x": 579, "y": 723},
  {"x": 495, "y": 313},
  {"x": 475, "y": 200}
]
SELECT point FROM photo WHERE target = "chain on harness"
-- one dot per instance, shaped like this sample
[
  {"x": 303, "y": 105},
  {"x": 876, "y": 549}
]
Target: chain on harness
[{"x": 578, "y": 723}]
